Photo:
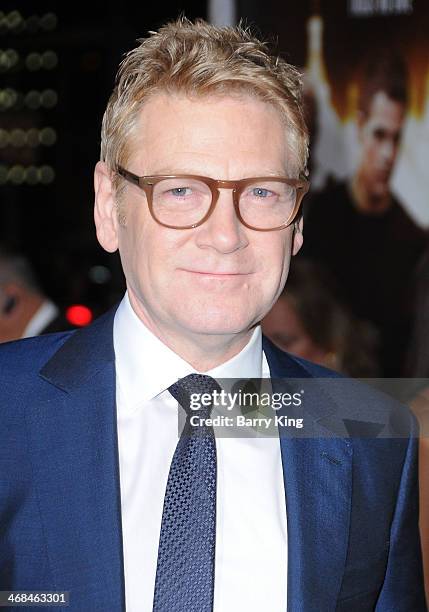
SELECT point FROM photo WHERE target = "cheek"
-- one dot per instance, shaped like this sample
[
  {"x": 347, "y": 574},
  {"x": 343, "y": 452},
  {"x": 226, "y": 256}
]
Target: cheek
[
  {"x": 148, "y": 248},
  {"x": 274, "y": 251},
  {"x": 373, "y": 149},
  {"x": 277, "y": 258},
  {"x": 274, "y": 261}
]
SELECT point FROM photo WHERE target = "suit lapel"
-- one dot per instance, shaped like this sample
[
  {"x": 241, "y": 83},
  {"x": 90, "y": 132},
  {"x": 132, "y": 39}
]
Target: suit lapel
[
  {"x": 73, "y": 446},
  {"x": 317, "y": 474}
]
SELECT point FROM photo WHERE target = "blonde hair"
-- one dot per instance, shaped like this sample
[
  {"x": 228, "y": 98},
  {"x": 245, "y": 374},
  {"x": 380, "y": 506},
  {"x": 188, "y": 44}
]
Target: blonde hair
[{"x": 201, "y": 59}]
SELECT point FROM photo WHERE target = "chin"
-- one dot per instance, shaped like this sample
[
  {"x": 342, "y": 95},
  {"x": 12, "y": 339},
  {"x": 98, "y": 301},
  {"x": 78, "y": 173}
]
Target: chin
[
  {"x": 217, "y": 323},
  {"x": 381, "y": 189}
]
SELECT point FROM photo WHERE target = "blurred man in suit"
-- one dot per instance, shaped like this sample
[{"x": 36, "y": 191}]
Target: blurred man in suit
[{"x": 25, "y": 310}]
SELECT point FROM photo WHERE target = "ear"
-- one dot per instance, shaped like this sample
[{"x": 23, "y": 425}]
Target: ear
[
  {"x": 105, "y": 215},
  {"x": 11, "y": 296},
  {"x": 297, "y": 237}
]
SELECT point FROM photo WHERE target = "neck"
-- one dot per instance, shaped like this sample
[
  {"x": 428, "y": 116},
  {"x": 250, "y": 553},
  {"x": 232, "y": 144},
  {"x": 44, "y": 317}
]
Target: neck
[
  {"x": 202, "y": 351},
  {"x": 366, "y": 201},
  {"x": 210, "y": 352}
]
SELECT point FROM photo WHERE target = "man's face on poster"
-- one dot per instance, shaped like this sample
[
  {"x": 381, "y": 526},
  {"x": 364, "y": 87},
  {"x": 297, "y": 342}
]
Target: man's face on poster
[{"x": 380, "y": 134}]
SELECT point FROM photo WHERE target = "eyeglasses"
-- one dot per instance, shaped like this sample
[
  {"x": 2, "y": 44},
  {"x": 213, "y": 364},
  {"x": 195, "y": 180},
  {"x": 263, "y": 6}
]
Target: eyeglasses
[{"x": 185, "y": 201}]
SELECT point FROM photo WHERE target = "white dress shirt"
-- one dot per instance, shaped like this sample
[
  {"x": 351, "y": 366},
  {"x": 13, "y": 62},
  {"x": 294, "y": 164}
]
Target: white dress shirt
[
  {"x": 251, "y": 530},
  {"x": 44, "y": 315}
]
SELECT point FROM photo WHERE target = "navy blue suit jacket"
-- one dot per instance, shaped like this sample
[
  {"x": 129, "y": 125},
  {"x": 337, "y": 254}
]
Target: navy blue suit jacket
[{"x": 353, "y": 542}]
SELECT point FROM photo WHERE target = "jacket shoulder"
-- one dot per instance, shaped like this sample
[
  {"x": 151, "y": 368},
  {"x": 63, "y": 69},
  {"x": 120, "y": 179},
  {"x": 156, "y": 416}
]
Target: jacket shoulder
[{"x": 29, "y": 354}]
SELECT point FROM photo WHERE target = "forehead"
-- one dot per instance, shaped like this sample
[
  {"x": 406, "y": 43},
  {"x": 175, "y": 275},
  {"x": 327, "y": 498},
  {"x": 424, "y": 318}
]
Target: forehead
[
  {"x": 384, "y": 111},
  {"x": 230, "y": 135}
]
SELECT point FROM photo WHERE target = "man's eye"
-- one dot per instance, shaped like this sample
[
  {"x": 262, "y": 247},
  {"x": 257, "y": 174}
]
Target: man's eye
[
  {"x": 260, "y": 192},
  {"x": 180, "y": 191},
  {"x": 380, "y": 135}
]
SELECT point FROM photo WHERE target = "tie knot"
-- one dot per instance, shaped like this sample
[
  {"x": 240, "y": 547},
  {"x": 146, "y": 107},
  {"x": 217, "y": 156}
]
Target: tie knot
[{"x": 189, "y": 392}]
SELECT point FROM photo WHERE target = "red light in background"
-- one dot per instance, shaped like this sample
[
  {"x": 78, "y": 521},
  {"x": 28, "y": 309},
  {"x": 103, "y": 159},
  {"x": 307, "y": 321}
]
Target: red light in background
[{"x": 78, "y": 315}]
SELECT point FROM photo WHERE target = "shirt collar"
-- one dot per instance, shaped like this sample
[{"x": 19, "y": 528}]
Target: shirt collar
[
  {"x": 145, "y": 366},
  {"x": 44, "y": 315}
]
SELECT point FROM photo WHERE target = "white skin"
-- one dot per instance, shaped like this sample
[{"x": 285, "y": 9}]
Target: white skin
[{"x": 202, "y": 290}]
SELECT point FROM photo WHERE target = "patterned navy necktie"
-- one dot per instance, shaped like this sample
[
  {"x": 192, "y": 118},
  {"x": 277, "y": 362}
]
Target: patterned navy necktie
[{"x": 185, "y": 571}]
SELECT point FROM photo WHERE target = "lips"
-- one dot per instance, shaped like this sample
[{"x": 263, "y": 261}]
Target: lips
[{"x": 215, "y": 272}]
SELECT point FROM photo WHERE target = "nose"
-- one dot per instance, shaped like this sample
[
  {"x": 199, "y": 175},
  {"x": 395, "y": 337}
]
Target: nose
[
  {"x": 223, "y": 231},
  {"x": 389, "y": 151}
]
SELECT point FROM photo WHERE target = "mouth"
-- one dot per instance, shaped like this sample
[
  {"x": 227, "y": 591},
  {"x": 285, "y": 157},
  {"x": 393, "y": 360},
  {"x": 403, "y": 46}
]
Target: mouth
[
  {"x": 215, "y": 274},
  {"x": 384, "y": 173}
]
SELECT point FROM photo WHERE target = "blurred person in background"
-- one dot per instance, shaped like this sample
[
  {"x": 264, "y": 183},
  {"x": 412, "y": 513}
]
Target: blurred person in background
[
  {"x": 25, "y": 310},
  {"x": 309, "y": 320},
  {"x": 360, "y": 231}
]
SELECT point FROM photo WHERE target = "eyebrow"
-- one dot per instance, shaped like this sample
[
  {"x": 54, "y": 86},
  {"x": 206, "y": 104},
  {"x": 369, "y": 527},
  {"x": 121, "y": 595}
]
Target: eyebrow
[{"x": 167, "y": 171}]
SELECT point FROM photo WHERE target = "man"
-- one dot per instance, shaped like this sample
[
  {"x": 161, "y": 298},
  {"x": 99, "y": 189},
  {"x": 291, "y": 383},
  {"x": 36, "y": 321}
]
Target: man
[
  {"x": 101, "y": 499},
  {"x": 24, "y": 309},
  {"x": 359, "y": 229}
]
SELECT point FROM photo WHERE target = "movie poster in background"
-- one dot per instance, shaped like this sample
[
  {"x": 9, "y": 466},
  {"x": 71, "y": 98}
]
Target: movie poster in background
[{"x": 341, "y": 37}]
